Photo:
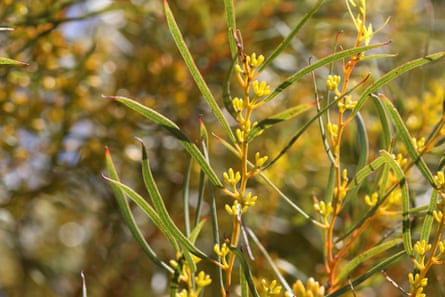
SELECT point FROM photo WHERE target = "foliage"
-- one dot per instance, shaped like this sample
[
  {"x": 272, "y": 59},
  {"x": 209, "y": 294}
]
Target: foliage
[
  {"x": 61, "y": 230},
  {"x": 365, "y": 210}
]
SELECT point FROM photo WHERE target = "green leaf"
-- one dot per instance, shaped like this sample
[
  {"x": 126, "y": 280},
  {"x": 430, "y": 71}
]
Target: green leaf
[
  {"x": 364, "y": 172},
  {"x": 215, "y": 231},
  {"x": 7, "y": 61},
  {"x": 405, "y": 201},
  {"x": 197, "y": 230},
  {"x": 194, "y": 71},
  {"x": 161, "y": 209},
  {"x": 231, "y": 23},
  {"x": 128, "y": 216},
  {"x": 387, "y": 133},
  {"x": 278, "y": 118},
  {"x": 394, "y": 73},
  {"x": 362, "y": 142},
  {"x": 245, "y": 270},
  {"x": 347, "y": 270},
  {"x": 429, "y": 219},
  {"x": 407, "y": 141},
  {"x": 186, "y": 198},
  {"x": 291, "y": 35},
  {"x": 174, "y": 130},
  {"x": 145, "y": 207},
  {"x": 324, "y": 61},
  {"x": 227, "y": 98},
  {"x": 243, "y": 284}
]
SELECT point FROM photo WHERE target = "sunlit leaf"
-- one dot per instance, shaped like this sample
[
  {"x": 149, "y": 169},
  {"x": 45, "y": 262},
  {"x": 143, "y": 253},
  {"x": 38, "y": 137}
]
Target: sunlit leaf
[
  {"x": 324, "y": 61},
  {"x": 394, "y": 73},
  {"x": 128, "y": 216},
  {"x": 7, "y": 61},
  {"x": 194, "y": 71},
  {"x": 174, "y": 131}
]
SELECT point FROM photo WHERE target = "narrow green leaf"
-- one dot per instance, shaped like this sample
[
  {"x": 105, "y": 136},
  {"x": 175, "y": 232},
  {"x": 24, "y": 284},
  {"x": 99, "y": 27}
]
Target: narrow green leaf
[
  {"x": 428, "y": 222},
  {"x": 347, "y": 270},
  {"x": 161, "y": 209},
  {"x": 197, "y": 230},
  {"x": 405, "y": 201},
  {"x": 394, "y": 73},
  {"x": 379, "y": 56},
  {"x": 407, "y": 141},
  {"x": 227, "y": 97},
  {"x": 202, "y": 179},
  {"x": 144, "y": 206},
  {"x": 215, "y": 231},
  {"x": 243, "y": 283},
  {"x": 387, "y": 133},
  {"x": 278, "y": 118},
  {"x": 231, "y": 23},
  {"x": 356, "y": 182},
  {"x": 245, "y": 270},
  {"x": 291, "y": 35},
  {"x": 364, "y": 172},
  {"x": 363, "y": 142},
  {"x": 377, "y": 268},
  {"x": 7, "y": 61},
  {"x": 128, "y": 216},
  {"x": 186, "y": 199},
  {"x": 324, "y": 61},
  {"x": 172, "y": 234},
  {"x": 194, "y": 71},
  {"x": 174, "y": 130}
]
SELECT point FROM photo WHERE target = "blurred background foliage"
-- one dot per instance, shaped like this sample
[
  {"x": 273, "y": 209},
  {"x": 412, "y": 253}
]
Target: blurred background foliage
[{"x": 58, "y": 217}]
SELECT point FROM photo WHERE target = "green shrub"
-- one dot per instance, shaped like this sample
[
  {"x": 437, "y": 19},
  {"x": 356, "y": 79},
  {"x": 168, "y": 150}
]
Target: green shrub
[{"x": 367, "y": 215}]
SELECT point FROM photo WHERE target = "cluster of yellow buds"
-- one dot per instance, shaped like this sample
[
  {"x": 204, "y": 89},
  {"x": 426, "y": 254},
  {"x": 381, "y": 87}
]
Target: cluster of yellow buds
[
  {"x": 346, "y": 104},
  {"x": 261, "y": 88},
  {"x": 185, "y": 276},
  {"x": 332, "y": 83},
  {"x": 341, "y": 191},
  {"x": 372, "y": 200},
  {"x": 421, "y": 248},
  {"x": 419, "y": 144},
  {"x": 417, "y": 284},
  {"x": 222, "y": 251},
  {"x": 439, "y": 179},
  {"x": 271, "y": 289},
  {"x": 324, "y": 209},
  {"x": 202, "y": 280},
  {"x": 333, "y": 131},
  {"x": 259, "y": 161},
  {"x": 247, "y": 71},
  {"x": 254, "y": 90},
  {"x": 401, "y": 160},
  {"x": 366, "y": 33},
  {"x": 312, "y": 289},
  {"x": 236, "y": 209},
  {"x": 232, "y": 178}
]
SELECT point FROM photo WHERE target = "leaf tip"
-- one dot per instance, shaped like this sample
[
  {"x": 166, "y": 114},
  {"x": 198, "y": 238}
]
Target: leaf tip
[
  {"x": 108, "y": 97},
  {"x": 104, "y": 176},
  {"x": 143, "y": 149}
]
